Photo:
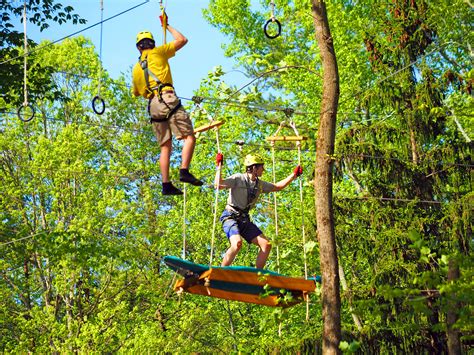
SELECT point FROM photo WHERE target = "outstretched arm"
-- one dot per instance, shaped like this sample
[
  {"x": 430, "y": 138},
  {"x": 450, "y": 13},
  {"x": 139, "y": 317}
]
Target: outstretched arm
[{"x": 280, "y": 185}]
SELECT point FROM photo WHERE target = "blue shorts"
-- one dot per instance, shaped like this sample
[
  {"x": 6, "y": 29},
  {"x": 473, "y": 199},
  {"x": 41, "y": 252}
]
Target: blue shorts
[{"x": 233, "y": 225}]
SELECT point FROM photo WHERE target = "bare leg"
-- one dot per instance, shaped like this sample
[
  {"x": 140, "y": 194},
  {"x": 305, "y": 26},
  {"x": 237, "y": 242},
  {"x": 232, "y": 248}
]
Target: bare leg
[
  {"x": 188, "y": 150},
  {"x": 235, "y": 245},
  {"x": 165, "y": 161},
  {"x": 265, "y": 247}
]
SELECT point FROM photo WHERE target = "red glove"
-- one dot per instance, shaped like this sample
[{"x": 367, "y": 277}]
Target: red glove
[
  {"x": 298, "y": 171},
  {"x": 164, "y": 19},
  {"x": 219, "y": 158}
]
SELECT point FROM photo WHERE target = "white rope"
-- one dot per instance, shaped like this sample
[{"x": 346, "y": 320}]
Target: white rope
[
  {"x": 298, "y": 144},
  {"x": 275, "y": 208},
  {"x": 100, "y": 45},
  {"x": 272, "y": 6},
  {"x": 25, "y": 66},
  {"x": 216, "y": 200},
  {"x": 183, "y": 252}
]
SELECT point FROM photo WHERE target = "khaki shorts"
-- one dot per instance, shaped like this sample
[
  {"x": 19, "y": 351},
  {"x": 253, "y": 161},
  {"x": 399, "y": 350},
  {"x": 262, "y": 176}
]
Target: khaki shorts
[{"x": 179, "y": 123}]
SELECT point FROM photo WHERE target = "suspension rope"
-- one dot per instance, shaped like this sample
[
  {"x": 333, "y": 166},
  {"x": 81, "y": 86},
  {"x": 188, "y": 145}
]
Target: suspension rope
[
  {"x": 164, "y": 18},
  {"x": 275, "y": 208},
  {"x": 183, "y": 252},
  {"x": 216, "y": 199},
  {"x": 303, "y": 233},
  {"x": 25, "y": 75},
  {"x": 99, "y": 110},
  {"x": 272, "y": 20}
]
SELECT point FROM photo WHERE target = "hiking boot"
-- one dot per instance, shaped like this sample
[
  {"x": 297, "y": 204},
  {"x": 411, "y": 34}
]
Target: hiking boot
[
  {"x": 186, "y": 176},
  {"x": 169, "y": 189}
]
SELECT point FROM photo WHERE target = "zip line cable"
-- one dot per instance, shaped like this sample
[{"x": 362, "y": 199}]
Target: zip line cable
[
  {"x": 36, "y": 49},
  {"x": 261, "y": 146}
]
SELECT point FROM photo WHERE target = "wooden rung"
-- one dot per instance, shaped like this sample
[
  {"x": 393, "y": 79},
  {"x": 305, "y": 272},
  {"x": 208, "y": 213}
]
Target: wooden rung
[
  {"x": 205, "y": 128},
  {"x": 208, "y": 127},
  {"x": 287, "y": 138}
]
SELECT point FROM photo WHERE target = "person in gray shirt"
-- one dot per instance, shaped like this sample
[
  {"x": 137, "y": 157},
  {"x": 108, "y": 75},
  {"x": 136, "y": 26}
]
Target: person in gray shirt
[{"x": 245, "y": 188}]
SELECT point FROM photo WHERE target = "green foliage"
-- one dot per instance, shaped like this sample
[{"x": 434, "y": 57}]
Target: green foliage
[{"x": 84, "y": 225}]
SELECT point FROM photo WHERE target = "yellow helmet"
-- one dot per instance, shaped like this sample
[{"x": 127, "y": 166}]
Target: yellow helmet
[
  {"x": 252, "y": 159},
  {"x": 143, "y": 35}
]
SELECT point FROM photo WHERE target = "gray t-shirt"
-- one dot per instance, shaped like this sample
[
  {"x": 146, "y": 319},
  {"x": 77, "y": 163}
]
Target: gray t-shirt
[{"x": 241, "y": 186}]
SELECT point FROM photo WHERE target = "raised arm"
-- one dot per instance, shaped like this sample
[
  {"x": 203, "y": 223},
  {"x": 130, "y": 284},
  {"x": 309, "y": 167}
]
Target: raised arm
[
  {"x": 218, "y": 181},
  {"x": 179, "y": 39}
]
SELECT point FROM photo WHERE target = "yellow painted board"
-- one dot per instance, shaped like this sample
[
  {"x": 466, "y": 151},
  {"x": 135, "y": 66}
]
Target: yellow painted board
[
  {"x": 270, "y": 300},
  {"x": 287, "y": 138},
  {"x": 208, "y": 127}
]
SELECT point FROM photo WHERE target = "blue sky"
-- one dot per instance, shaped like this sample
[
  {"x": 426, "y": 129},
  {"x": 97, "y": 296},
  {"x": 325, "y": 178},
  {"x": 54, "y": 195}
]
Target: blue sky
[{"x": 192, "y": 63}]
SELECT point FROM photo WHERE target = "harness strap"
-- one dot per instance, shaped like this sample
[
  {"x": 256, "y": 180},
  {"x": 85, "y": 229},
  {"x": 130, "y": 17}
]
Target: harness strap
[
  {"x": 169, "y": 114},
  {"x": 156, "y": 90}
]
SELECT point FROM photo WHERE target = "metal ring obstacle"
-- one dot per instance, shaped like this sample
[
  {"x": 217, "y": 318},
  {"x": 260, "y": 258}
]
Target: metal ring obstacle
[
  {"x": 28, "y": 119},
  {"x": 94, "y": 101},
  {"x": 265, "y": 28}
]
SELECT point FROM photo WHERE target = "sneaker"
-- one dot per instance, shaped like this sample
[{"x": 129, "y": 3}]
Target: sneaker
[
  {"x": 186, "y": 176},
  {"x": 169, "y": 189}
]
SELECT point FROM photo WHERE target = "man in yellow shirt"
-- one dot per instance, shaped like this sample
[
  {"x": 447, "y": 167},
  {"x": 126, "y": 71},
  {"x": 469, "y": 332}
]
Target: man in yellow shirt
[{"x": 152, "y": 79}]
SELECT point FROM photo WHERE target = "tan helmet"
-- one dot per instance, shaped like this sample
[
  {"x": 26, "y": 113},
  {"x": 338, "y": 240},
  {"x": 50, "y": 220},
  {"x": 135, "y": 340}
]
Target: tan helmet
[
  {"x": 252, "y": 159},
  {"x": 144, "y": 34}
]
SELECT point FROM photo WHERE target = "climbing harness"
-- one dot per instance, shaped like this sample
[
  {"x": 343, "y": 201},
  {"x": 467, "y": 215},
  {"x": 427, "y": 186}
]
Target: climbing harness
[
  {"x": 272, "y": 20},
  {"x": 98, "y": 99},
  {"x": 157, "y": 91},
  {"x": 25, "y": 77}
]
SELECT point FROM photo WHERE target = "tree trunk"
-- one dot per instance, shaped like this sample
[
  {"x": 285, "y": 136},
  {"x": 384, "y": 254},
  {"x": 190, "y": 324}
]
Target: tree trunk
[{"x": 331, "y": 298}]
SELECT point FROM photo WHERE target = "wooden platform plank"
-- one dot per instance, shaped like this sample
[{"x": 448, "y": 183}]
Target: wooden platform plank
[
  {"x": 208, "y": 126},
  {"x": 286, "y": 138},
  {"x": 271, "y": 300},
  {"x": 250, "y": 278}
]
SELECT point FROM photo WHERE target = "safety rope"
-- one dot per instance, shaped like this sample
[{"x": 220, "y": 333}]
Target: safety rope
[
  {"x": 183, "y": 252},
  {"x": 272, "y": 20},
  {"x": 98, "y": 98},
  {"x": 25, "y": 75},
  {"x": 25, "y": 64},
  {"x": 275, "y": 208},
  {"x": 216, "y": 198},
  {"x": 303, "y": 233},
  {"x": 164, "y": 19}
]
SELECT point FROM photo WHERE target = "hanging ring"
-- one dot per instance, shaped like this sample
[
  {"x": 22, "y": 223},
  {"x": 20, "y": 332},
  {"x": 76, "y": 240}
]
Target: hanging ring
[
  {"x": 265, "y": 28},
  {"x": 29, "y": 118},
  {"x": 102, "y": 102}
]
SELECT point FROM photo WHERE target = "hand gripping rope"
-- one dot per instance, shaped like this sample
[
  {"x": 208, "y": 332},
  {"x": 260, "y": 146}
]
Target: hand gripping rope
[
  {"x": 164, "y": 20},
  {"x": 272, "y": 20},
  {"x": 25, "y": 78},
  {"x": 99, "y": 109}
]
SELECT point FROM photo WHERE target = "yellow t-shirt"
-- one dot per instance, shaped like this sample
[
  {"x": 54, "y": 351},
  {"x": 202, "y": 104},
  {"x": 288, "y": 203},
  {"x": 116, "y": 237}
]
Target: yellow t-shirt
[{"x": 157, "y": 59}]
